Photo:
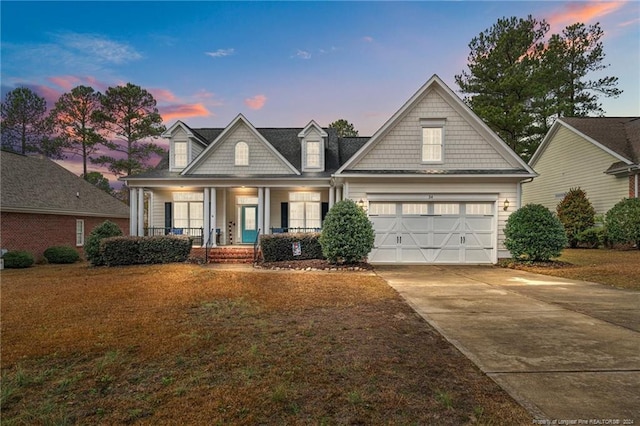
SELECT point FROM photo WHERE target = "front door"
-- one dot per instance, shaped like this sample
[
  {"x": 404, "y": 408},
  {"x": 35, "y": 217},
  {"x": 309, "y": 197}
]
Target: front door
[{"x": 249, "y": 224}]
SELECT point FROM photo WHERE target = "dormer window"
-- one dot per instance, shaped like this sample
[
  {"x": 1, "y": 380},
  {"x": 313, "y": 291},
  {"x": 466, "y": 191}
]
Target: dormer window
[
  {"x": 313, "y": 157},
  {"x": 242, "y": 154},
  {"x": 180, "y": 154}
]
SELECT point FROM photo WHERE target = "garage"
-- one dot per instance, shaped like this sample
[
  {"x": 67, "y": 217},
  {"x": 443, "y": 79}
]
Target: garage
[{"x": 433, "y": 232}]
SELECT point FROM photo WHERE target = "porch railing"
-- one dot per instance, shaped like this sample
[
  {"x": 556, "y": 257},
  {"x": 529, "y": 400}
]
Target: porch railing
[
  {"x": 294, "y": 230},
  {"x": 197, "y": 234}
]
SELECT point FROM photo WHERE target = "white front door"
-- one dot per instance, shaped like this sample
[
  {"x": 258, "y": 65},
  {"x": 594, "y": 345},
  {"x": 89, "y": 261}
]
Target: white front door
[{"x": 433, "y": 232}]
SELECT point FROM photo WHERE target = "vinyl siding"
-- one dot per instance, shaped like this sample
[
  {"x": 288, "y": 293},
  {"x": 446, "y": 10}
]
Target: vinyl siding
[
  {"x": 221, "y": 159},
  {"x": 570, "y": 161},
  {"x": 401, "y": 147}
]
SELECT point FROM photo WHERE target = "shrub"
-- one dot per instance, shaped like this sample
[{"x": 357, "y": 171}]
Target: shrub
[
  {"x": 61, "y": 254},
  {"x": 92, "y": 245},
  {"x": 116, "y": 251},
  {"x": 623, "y": 222},
  {"x": 592, "y": 237},
  {"x": 576, "y": 214},
  {"x": 347, "y": 234},
  {"x": 18, "y": 259},
  {"x": 534, "y": 233},
  {"x": 279, "y": 247}
]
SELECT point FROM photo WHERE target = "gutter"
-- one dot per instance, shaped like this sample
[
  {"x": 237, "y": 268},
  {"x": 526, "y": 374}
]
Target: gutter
[{"x": 519, "y": 191}]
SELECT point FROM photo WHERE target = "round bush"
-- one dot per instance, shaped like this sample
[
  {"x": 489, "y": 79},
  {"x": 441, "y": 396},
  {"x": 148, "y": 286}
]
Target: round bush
[
  {"x": 18, "y": 259},
  {"x": 61, "y": 254},
  {"x": 92, "y": 245},
  {"x": 623, "y": 222},
  {"x": 533, "y": 233},
  {"x": 347, "y": 233},
  {"x": 576, "y": 214}
]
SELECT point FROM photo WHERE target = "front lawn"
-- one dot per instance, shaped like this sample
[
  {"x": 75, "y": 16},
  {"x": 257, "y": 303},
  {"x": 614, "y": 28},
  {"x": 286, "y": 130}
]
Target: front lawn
[
  {"x": 181, "y": 344},
  {"x": 618, "y": 268}
]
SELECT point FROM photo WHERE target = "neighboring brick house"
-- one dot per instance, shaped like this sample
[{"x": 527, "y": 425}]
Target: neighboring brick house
[
  {"x": 437, "y": 183},
  {"x": 43, "y": 205},
  {"x": 601, "y": 155}
]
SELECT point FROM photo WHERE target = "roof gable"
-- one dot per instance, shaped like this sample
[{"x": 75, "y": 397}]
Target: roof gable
[
  {"x": 217, "y": 158},
  {"x": 469, "y": 143},
  {"x": 188, "y": 130},
  {"x": 617, "y": 136},
  {"x": 37, "y": 184}
]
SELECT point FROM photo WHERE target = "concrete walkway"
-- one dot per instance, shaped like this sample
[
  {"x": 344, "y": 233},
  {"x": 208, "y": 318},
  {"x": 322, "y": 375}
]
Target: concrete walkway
[{"x": 566, "y": 350}]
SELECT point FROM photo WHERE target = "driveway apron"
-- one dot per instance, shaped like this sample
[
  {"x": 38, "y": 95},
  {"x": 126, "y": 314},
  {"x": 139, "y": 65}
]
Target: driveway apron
[{"x": 568, "y": 351}]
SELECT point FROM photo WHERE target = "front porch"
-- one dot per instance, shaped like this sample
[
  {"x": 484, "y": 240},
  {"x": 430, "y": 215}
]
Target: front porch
[{"x": 230, "y": 216}]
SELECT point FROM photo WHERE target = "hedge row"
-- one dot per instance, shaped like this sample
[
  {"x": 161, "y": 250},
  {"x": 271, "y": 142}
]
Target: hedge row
[
  {"x": 61, "y": 254},
  {"x": 116, "y": 251},
  {"x": 279, "y": 247}
]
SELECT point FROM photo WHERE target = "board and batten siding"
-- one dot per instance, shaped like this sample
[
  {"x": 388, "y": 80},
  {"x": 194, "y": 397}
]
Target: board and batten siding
[
  {"x": 570, "y": 161},
  {"x": 401, "y": 147},
  {"x": 503, "y": 190},
  {"x": 221, "y": 160}
]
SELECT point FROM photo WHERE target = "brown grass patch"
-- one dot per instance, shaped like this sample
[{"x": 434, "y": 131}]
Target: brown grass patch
[
  {"x": 617, "y": 268},
  {"x": 181, "y": 344}
]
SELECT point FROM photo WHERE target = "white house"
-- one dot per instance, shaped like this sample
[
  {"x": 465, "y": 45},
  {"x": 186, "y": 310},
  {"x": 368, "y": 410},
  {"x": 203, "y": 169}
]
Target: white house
[{"x": 436, "y": 182}]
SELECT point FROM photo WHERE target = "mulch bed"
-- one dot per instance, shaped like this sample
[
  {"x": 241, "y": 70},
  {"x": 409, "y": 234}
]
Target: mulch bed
[{"x": 313, "y": 265}]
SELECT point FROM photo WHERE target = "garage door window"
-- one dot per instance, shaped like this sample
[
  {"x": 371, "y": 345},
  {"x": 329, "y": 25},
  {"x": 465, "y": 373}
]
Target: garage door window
[
  {"x": 479, "y": 209},
  {"x": 382, "y": 209},
  {"x": 415, "y": 209},
  {"x": 446, "y": 209}
]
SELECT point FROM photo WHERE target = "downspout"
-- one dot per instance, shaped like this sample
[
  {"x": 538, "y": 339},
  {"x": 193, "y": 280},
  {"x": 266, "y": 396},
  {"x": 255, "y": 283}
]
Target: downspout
[
  {"x": 519, "y": 192},
  {"x": 637, "y": 185}
]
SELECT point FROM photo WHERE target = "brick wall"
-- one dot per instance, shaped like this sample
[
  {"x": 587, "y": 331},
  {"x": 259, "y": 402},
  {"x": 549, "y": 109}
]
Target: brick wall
[
  {"x": 37, "y": 232},
  {"x": 632, "y": 187}
]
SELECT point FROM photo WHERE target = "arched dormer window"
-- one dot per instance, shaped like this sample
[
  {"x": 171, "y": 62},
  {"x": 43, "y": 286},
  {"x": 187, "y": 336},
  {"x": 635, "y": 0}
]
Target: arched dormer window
[{"x": 242, "y": 154}]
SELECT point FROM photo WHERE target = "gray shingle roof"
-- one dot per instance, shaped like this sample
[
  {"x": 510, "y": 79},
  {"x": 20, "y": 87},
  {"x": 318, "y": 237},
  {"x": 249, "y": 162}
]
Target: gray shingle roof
[
  {"x": 619, "y": 134},
  {"x": 285, "y": 140},
  {"x": 39, "y": 184}
]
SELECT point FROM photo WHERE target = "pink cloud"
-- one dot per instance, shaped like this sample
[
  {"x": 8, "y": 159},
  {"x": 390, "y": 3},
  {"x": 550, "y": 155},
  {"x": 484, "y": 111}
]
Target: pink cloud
[
  {"x": 172, "y": 112},
  {"x": 68, "y": 82},
  {"x": 163, "y": 95},
  {"x": 368, "y": 39},
  {"x": 583, "y": 12},
  {"x": 257, "y": 102}
]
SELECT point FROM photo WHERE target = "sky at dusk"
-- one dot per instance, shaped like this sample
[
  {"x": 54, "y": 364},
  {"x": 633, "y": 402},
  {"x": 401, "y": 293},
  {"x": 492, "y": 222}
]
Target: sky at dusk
[{"x": 281, "y": 64}]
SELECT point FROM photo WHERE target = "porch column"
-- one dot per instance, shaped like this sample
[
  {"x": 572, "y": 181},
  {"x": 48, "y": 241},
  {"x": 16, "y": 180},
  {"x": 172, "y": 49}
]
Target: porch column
[
  {"x": 261, "y": 209},
  {"x": 133, "y": 212},
  {"x": 332, "y": 196},
  {"x": 212, "y": 216},
  {"x": 267, "y": 211},
  {"x": 205, "y": 217},
  {"x": 338, "y": 193},
  {"x": 140, "y": 208}
]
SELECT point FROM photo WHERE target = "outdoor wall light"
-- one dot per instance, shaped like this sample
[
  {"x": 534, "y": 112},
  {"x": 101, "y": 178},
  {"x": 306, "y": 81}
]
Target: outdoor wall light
[
  {"x": 505, "y": 206},
  {"x": 362, "y": 204}
]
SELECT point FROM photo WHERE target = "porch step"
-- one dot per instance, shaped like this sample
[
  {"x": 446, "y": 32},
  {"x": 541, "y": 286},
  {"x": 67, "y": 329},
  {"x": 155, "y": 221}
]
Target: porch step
[{"x": 226, "y": 254}]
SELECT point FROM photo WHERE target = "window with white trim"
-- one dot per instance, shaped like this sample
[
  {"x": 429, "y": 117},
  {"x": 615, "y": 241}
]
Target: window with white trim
[
  {"x": 313, "y": 154},
  {"x": 188, "y": 210},
  {"x": 79, "y": 232},
  {"x": 446, "y": 208},
  {"x": 382, "y": 209},
  {"x": 432, "y": 142},
  {"x": 304, "y": 210},
  {"x": 242, "y": 154},
  {"x": 180, "y": 154}
]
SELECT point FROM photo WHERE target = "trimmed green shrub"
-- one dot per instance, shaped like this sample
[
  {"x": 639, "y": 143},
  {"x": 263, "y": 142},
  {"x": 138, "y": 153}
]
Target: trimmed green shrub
[
  {"x": 117, "y": 251},
  {"x": 106, "y": 229},
  {"x": 347, "y": 233},
  {"x": 279, "y": 247},
  {"x": 18, "y": 259},
  {"x": 592, "y": 237},
  {"x": 576, "y": 214},
  {"x": 61, "y": 254},
  {"x": 623, "y": 222},
  {"x": 534, "y": 233}
]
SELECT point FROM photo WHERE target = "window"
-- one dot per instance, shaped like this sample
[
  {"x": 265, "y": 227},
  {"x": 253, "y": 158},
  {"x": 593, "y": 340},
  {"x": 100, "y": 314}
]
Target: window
[
  {"x": 242, "y": 154},
  {"x": 414, "y": 209},
  {"x": 382, "y": 209},
  {"x": 304, "y": 210},
  {"x": 188, "y": 210},
  {"x": 79, "y": 232},
  {"x": 432, "y": 144},
  {"x": 180, "y": 154},
  {"x": 479, "y": 209},
  {"x": 442, "y": 209},
  {"x": 313, "y": 154}
]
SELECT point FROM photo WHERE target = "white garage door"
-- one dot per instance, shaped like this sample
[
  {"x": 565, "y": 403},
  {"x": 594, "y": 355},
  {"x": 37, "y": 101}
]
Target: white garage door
[{"x": 433, "y": 232}]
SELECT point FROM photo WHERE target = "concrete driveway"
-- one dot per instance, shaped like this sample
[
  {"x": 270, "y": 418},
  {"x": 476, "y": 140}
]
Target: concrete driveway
[{"x": 566, "y": 350}]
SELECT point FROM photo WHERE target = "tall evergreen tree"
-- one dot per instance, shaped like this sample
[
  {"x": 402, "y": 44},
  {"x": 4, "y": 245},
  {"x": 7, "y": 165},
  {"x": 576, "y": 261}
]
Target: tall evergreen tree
[
  {"x": 344, "y": 128},
  {"x": 498, "y": 85},
  {"x": 75, "y": 120},
  {"x": 130, "y": 115},
  {"x": 24, "y": 126}
]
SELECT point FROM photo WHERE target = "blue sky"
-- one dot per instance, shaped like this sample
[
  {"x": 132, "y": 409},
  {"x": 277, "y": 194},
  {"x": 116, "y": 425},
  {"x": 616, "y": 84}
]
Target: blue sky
[{"x": 281, "y": 63}]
